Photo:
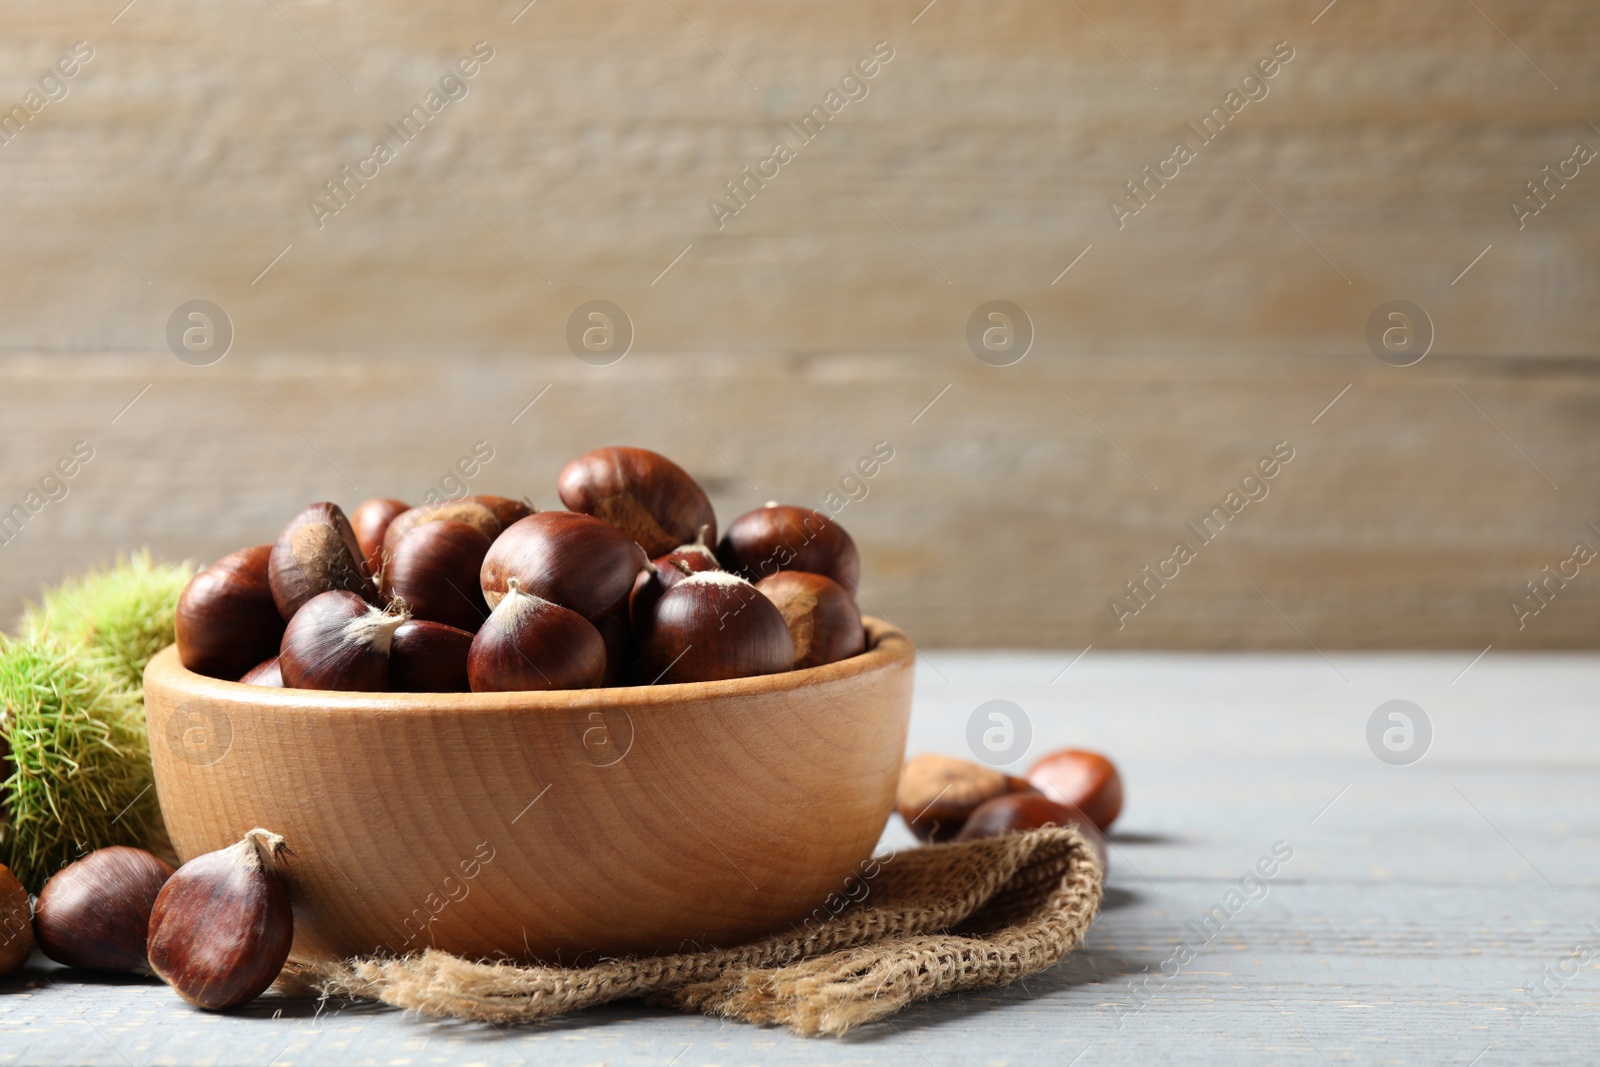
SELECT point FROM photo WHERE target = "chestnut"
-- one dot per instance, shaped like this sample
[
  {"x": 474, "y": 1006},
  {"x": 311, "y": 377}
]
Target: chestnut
[
  {"x": 714, "y": 625},
  {"x": 428, "y": 657},
  {"x": 577, "y": 561},
  {"x": 618, "y": 637},
  {"x": 505, "y": 510},
  {"x": 1086, "y": 781},
  {"x": 937, "y": 793},
  {"x": 227, "y": 620},
  {"x": 95, "y": 913},
  {"x": 370, "y": 520},
  {"x": 779, "y": 537},
  {"x": 339, "y": 641},
  {"x": 317, "y": 552},
  {"x": 663, "y": 573},
  {"x": 16, "y": 924},
  {"x": 434, "y": 569},
  {"x": 823, "y": 619},
  {"x": 645, "y": 495},
  {"x": 1029, "y": 811},
  {"x": 474, "y": 514},
  {"x": 221, "y": 928},
  {"x": 532, "y": 643},
  {"x": 264, "y": 673},
  {"x": 699, "y": 553}
]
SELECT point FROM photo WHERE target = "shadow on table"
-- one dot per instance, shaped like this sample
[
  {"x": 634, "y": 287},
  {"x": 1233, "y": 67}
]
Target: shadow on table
[
  {"x": 1133, "y": 837},
  {"x": 1116, "y": 897},
  {"x": 306, "y": 1008},
  {"x": 41, "y": 971}
]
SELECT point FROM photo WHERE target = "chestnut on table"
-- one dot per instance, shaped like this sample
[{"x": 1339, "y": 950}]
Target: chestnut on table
[
  {"x": 221, "y": 927},
  {"x": 95, "y": 912},
  {"x": 942, "y": 797}
]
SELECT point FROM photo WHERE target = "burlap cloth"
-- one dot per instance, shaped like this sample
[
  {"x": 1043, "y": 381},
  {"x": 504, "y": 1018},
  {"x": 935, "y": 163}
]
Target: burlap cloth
[{"x": 932, "y": 920}]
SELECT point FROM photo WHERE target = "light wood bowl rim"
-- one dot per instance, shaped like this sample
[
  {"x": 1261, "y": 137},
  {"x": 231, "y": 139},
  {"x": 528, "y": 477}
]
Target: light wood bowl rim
[{"x": 887, "y": 648}]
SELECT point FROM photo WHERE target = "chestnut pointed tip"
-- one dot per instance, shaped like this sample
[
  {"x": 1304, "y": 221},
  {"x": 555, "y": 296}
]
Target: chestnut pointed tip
[
  {"x": 713, "y": 625},
  {"x": 530, "y": 643},
  {"x": 337, "y": 641},
  {"x": 223, "y": 924},
  {"x": 268, "y": 847}
]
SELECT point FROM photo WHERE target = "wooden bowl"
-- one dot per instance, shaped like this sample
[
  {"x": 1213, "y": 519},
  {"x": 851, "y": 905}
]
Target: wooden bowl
[{"x": 546, "y": 826}]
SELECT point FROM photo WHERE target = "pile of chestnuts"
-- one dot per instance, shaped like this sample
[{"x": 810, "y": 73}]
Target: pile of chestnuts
[
  {"x": 486, "y": 594},
  {"x": 217, "y": 930},
  {"x": 942, "y": 798}
]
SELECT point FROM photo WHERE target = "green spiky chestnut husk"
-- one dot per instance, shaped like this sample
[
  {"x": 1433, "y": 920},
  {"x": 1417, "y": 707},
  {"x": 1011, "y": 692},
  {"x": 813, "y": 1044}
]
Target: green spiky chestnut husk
[{"x": 78, "y": 773}]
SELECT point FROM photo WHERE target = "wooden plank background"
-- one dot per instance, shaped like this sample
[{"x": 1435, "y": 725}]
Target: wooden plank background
[{"x": 830, "y": 312}]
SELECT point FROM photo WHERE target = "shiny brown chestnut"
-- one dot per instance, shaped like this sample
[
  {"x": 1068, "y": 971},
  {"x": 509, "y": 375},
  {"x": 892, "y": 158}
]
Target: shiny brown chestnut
[
  {"x": 823, "y": 619},
  {"x": 529, "y": 643},
  {"x": 95, "y": 913},
  {"x": 221, "y": 928},
  {"x": 227, "y": 620},
  {"x": 339, "y": 641},
  {"x": 370, "y": 520},
  {"x": 434, "y": 569},
  {"x": 663, "y": 573},
  {"x": 618, "y": 638},
  {"x": 505, "y": 510},
  {"x": 16, "y": 924},
  {"x": 642, "y": 493},
  {"x": 714, "y": 625},
  {"x": 317, "y": 552},
  {"x": 577, "y": 561},
  {"x": 264, "y": 673},
  {"x": 700, "y": 554},
  {"x": 428, "y": 657},
  {"x": 1083, "y": 780},
  {"x": 937, "y": 793},
  {"x": 780, "y": 537},
  {"x": 1015, "y": 812},
  {"x": 474, "y": 514}
]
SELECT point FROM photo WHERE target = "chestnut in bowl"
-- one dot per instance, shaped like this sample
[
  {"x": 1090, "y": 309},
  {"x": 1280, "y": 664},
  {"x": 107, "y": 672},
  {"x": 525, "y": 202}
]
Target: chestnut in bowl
[{"x": 594, "y": 821}]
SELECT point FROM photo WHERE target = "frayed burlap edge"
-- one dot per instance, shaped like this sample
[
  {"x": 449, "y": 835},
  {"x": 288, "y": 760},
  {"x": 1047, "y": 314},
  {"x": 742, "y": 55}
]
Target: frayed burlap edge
[{"x": 934, "y": 920}]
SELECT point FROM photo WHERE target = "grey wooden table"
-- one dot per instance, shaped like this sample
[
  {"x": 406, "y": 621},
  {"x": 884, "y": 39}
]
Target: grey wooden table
[{"x": 1443, "y": 910}]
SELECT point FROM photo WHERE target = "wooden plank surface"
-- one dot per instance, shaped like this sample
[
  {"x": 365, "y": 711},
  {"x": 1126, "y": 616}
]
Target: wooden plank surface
[
  {"x": 1015, "y": 509},
  {"x": 772, "y": 350},
  {"x": 993, "y": 140},
  {"x": 1419, "y": 910}
]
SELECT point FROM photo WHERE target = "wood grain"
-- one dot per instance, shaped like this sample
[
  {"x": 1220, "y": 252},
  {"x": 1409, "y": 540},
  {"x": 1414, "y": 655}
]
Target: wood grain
[
  {"x": 581, "y": 162},
  {"x": 549, "y": 826},
  {"x": 1404, "y": 929},
  {"x": 772, "y": 351},
  {"x": 1014, "y": 510}
]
